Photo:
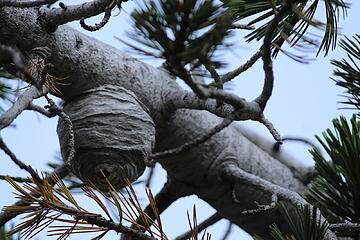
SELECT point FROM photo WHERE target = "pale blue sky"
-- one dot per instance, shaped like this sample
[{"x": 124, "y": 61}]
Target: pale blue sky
[{"x": 303, "y": 104}]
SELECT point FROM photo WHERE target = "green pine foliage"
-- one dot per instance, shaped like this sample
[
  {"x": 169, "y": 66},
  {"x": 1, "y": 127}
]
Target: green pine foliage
[
  {"x": 6, "y": 92},
  {"x": 336, "y": 190},
  {"x": 348, "y": 71},
  {"x": 295, "y": 22},
  {"x": 304, "y": 224},
  {"x": 181, "y": 32}
]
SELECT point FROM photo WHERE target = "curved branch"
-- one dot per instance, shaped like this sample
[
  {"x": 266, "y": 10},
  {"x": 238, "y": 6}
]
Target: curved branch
[
  {"x": 58, "y": 16},
  {"x": 266, "y": 56},
  {"x": 41, "y": 110},
  {"x": 231, "y": 172},
  {"x": 97, "y": 26},
  {"x": 231, "y": 75},
  {"x": 191, "y": 144}
]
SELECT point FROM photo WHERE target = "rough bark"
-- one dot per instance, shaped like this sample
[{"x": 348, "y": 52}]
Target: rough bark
[{"x": 87, "y": 63}]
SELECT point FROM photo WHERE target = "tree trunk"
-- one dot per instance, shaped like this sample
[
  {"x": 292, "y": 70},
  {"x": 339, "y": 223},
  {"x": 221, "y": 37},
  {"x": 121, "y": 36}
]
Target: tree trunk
[{"x": 87, "y": 63}]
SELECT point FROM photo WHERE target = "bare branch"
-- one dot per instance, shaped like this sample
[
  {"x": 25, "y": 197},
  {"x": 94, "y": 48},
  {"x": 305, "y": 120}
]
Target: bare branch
[
  {"x": 347, "y": 229},
  {"x": 270, "y": 127},
  {"x": 41, "y": 110},
  {"x": 217, "y": 79},
  {"x": 25, "y": 4},
  {"x": 242, "y": 26},
  {"x": 20, "y": 164},
  {"x": 236, "y": 108},
  {"x": 191, "y": 144},
  {"x": 262, "y": 208},
  {"x": 150, "y": 177},
  {"x": 231, "y": 75},
  {"x": 214, "y": 75},
  {"x": 20, "y": 105},
  {"x": 296, "y": 139},
  {"x": 205, "y": 224},
  {"x": 58, "y": 16},
  {"x": 231, "y": 172},
  {"x": 228, "y": 231},
  {"x": 266, "y": 56},
  {"x": 97, "y": 26},
  {"x": 184, "y": 75}
]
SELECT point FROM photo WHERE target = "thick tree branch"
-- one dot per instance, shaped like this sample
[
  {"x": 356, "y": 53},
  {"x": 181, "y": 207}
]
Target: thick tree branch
[
  {"x": 231, "y": 172},
  {"x": 196, "y": 169}
]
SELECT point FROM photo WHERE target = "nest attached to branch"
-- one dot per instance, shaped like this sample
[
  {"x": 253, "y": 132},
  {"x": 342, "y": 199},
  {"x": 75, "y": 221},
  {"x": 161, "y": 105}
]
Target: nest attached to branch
[{"x": 114, "y": 133}]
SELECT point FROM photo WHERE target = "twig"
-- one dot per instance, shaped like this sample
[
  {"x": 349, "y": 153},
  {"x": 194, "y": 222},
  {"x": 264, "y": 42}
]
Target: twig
[
  {"x": 206, "y": 223},
  {"x": 97, "y": 26},
  {"x": 71, "y": 144},
  {"x": 184, "y": 75},
  {"x": 25, "y": 4},
  {"x": 6, "y": 216},
  {"x": 16, "y": 179},
  {"x": 191, "y": 144},
  {"x": 228, "y": 231},
  {"x": 235, "y": 108},
  {"x": 58, "y": 16},
  {"x": 262, "y": 208},
  {"x": 276, "y": 147},
  {"x": 20, "y": 164},
  {"x": 231, "y": 75},
  {"x": 102, "y": 222},
  {"x": 20, "y": 105},
  {"x": 231, "y": 172},
  {"x": 270, "y": 127},
  {"x": 214, "y": 75},
  {"x": 346, "y": 229},
  {"x": 266, "y": 56},
  {"x": 150, "y": 177},
  {"x": 217, "y": 79},
  {"x": 242, "y": 26},
  {"x": 41, "y": 110}
]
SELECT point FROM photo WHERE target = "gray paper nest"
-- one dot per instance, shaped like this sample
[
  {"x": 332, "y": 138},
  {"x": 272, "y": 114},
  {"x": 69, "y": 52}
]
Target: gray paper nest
[{"x": 113, "y": 133}]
